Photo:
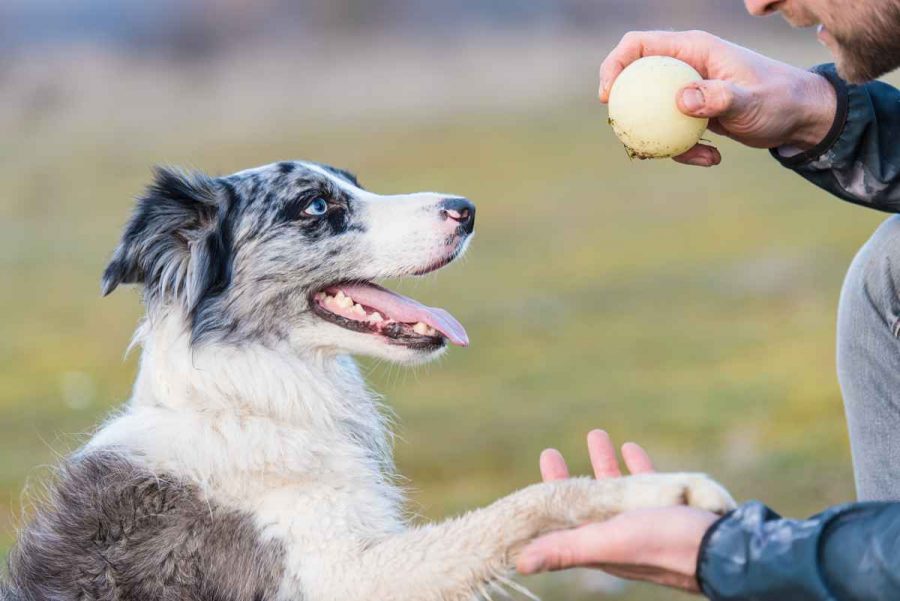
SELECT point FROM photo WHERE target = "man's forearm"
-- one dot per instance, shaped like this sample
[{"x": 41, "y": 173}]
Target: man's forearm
[
  {"x": 848, "y": 553},
  {"x": 859, "y": 158}
]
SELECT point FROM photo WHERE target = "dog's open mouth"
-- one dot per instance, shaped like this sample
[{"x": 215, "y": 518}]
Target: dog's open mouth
[{"x": 366, "y": 307}]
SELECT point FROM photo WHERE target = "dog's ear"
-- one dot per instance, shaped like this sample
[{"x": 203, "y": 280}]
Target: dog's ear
[{"x": 174, "y": 243}]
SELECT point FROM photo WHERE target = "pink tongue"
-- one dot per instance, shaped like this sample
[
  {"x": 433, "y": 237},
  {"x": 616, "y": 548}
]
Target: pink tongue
[{"x": 406, "y": 310}]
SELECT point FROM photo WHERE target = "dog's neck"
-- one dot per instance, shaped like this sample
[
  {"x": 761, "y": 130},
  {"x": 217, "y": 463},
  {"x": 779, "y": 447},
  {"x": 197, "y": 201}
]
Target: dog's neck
[
  {"x": 222, "y": 412},
  {"x": 303, "y": 389}
]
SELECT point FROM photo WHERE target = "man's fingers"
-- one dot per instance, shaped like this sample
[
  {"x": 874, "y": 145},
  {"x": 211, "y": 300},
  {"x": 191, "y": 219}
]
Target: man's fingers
[
  {"x": 603, "y": 455},
  {"x": 700, "y": 155},
  {"x": 553, "y": 466},
  {"x": 563, "y": 549},
  {"x": 713, "y": 99},
  {"x": 637, "y": 459},
  {"x": 693, "y": 47}
]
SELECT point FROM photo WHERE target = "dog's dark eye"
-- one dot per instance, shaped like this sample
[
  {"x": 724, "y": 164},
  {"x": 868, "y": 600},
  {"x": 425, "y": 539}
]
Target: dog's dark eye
[{"x": 316, "y": 208}]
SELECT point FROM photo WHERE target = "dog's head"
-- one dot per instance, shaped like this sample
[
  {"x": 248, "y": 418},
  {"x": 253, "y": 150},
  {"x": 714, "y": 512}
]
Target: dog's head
[{"x": 287, "y": 253}]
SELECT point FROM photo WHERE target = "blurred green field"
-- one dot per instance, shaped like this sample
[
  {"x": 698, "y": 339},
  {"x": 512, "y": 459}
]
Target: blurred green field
[{"x": 691, "y": 310}]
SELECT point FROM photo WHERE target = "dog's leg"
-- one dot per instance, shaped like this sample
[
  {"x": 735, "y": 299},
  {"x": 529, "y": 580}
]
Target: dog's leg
[{"x": 458, "y": 559}]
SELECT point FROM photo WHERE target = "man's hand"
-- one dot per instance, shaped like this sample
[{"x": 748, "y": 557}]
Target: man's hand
[
  {"x": 654, "y": 545},
  {"x": 748, "y": 97}
]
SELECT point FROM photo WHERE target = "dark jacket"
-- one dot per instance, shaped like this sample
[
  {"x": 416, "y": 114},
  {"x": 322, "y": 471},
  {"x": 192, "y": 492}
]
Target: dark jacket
[
  {"x": 851, "y": 552},
  {"x": 859, "y": 159},
  {"x": 848, "y": 553}
]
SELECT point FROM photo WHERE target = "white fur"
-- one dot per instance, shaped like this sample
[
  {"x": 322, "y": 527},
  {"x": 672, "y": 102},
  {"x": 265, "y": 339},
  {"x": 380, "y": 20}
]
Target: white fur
[
  {"x": 291, "y": 434},
  {"x": 298, "y": 441}
]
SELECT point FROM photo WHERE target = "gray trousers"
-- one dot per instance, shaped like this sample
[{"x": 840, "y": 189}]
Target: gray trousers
[{"x": 868, "y": 362}]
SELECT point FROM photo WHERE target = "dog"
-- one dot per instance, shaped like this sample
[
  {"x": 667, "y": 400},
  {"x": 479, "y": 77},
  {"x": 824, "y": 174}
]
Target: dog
[{"x": 252, "y": 463}]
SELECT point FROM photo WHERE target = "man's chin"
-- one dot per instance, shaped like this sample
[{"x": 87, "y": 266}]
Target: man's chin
[{"x": 861, "y": 58}]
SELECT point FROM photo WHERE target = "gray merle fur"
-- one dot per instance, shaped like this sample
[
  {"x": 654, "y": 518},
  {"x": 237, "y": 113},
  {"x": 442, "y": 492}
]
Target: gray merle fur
[
  {"x": 114, "y": 531},
  {"x": 181, "y": 242}
]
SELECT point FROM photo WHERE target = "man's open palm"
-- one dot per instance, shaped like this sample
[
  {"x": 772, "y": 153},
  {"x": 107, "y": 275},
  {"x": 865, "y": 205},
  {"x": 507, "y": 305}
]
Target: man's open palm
[{"x": 654, "y": 545}]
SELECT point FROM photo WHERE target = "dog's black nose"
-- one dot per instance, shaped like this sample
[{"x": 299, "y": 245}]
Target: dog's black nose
[{"x": 461, "y": 211}]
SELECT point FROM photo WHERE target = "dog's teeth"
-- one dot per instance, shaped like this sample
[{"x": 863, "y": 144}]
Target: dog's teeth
[
  {"x": 421, "y": 329},
  {"x": 320, "y": 296},
  {"x": 431, "y": 331},
  {"x": 376, "y": 317},
  {"x": 342, "y": 300},
  {"x": 358, "y": 310}
]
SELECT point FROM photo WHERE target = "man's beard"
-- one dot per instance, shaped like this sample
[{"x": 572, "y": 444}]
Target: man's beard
[{"x": 874, "y": 51}]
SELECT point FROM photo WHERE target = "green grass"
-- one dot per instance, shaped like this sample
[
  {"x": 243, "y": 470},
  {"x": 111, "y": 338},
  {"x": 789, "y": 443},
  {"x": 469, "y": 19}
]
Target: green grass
[{"x": 691, "y": 310}]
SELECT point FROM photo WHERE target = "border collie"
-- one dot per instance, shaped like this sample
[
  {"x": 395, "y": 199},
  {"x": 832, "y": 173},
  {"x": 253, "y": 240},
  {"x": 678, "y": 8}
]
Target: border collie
[{"x": 252, "y": 463}]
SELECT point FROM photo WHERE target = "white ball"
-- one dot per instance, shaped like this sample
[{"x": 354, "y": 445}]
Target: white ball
[{"x": 643, "y": 110}]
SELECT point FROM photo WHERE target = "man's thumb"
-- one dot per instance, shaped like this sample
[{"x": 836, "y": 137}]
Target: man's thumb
[{"x": 713, "y": 98}]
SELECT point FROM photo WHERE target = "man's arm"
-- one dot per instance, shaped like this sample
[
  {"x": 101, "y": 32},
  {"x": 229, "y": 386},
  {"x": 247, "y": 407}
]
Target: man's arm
[
  {"x": 753, "y": 99},
  {"x": 851, "y": 553},
  {"x": 848, "y": 553},
  {"x": 842, "y": 138},
  {"x": 859, "y": 159}
]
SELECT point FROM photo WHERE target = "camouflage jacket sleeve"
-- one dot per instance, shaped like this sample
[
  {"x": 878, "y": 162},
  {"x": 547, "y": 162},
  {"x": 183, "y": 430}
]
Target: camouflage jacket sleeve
[
  {"x": 847, "y": 553},
  {"x": 859, "y": 159}
]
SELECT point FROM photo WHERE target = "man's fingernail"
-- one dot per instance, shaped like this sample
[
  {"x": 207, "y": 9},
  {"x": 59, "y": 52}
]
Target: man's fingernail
[
  {"x": 530, "y": 563},
  {"x": 603, "y": 87},
  {"x": 692, "y": 99}
]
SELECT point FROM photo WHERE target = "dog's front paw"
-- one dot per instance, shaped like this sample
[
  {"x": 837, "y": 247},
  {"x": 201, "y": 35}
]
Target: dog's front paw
[
  {"x": 664, "y": 490},
  {"x": 703, "y": 492}
]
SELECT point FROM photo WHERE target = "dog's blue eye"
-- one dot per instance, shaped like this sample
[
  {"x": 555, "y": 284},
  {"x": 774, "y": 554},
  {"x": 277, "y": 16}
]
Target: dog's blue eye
[{"x": 317, "y": 207}]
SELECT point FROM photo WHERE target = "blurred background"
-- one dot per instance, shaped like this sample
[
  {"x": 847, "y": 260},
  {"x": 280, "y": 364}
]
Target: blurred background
[{"x": 691, "y": 310}]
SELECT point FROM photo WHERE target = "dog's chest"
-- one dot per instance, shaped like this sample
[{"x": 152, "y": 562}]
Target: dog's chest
[
  {"x": 321, "y": 489},
  {"x": 322, "y": 527}
]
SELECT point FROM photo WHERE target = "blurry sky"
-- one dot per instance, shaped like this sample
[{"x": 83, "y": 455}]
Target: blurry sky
[
  {"x": 205, "y": 25},
  {"x": 149, "y": 66}
]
